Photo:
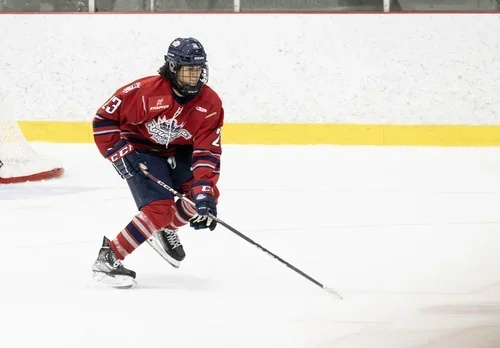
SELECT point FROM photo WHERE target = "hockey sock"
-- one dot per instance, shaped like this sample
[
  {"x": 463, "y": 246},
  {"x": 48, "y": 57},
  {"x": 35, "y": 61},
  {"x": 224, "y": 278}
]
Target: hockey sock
[
  {"x": 183, "y": 213},
  {"x": 150, "y": 219}
]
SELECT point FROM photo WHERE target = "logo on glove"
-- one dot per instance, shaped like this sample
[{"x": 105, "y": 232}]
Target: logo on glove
[{"x": 121, "y": 153}]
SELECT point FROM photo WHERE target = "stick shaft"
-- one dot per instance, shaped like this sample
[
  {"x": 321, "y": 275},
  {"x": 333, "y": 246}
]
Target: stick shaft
[{"x": 238, "y": 233}]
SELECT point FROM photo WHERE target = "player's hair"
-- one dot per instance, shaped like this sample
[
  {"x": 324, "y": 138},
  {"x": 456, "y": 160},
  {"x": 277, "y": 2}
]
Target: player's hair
[{"x": 164, "y": 72}]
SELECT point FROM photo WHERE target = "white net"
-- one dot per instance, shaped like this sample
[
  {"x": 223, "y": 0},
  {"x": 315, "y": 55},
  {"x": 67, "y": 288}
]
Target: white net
[{"x": 19, "y": 161}]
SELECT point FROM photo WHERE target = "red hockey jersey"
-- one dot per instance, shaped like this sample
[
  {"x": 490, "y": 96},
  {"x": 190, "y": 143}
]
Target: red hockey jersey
[{"x": 147, "y": 115}]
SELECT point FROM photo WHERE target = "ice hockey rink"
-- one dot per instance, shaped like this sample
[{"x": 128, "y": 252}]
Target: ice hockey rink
[{"x": 408, "y": 236}]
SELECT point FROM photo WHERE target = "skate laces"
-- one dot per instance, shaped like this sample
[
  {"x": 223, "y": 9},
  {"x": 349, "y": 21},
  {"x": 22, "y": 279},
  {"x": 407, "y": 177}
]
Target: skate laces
[{"x": 173, "y": 239}]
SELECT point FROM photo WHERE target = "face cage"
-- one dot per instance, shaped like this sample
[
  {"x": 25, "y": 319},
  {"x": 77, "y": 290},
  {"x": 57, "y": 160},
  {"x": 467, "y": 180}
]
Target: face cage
[{"x": 188, "y": 90}]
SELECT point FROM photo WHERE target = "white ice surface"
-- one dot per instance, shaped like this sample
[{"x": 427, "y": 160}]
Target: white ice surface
[{"x": 409, "y": 236}]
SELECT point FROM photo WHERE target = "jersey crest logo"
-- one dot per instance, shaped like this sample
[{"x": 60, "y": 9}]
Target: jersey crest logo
[{"x": 165, "y": 131}]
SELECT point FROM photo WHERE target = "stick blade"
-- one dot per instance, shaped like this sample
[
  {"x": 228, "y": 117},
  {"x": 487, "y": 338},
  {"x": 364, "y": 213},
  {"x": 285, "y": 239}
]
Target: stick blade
[{"x": 332, "y": 291}]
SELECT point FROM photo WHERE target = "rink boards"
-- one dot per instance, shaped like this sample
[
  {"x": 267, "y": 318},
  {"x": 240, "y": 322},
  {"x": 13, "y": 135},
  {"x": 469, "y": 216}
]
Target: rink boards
[{"x": 380, "y": 81}]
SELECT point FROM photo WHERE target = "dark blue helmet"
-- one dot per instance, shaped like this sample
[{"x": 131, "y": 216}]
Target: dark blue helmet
[{"x": 186, "y": 52}]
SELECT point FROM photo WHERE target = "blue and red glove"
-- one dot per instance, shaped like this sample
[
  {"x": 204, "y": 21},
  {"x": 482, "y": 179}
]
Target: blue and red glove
[
  {"x": 124, "y": 158},
  {"x": 203, "y": 196}
]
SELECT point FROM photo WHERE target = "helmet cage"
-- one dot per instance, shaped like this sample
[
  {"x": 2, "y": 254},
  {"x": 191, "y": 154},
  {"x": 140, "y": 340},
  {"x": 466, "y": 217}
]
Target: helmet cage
[{"x": 186, "y": 90}]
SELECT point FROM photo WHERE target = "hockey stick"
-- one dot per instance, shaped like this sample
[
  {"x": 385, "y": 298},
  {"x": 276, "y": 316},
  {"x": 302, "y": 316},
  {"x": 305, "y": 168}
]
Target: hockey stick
[{"x": 235, "y": 231}]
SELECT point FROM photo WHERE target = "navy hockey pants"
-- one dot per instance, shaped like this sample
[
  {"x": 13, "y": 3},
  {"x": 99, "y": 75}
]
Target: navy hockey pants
[{"x": 144, "y": 190}]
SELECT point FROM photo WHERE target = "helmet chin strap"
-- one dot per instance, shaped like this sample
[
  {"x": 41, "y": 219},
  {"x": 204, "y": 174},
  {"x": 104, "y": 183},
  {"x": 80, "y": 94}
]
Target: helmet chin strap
[
  {"x": 179, "y": 94},
  {"x": 176, "y": 92}
]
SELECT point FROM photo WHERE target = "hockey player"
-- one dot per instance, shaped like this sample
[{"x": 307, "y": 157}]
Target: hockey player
[{"x": 170, "y": 122}]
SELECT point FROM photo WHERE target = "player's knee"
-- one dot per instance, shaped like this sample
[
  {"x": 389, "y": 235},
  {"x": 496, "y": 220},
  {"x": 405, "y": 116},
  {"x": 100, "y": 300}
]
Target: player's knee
[{"x": 160, "y": 213}]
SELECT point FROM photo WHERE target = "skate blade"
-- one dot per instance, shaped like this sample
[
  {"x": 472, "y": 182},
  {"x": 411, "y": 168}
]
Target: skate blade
[
  {"x": 159, "y": 249},
  {"x": 117, "y": 281}
]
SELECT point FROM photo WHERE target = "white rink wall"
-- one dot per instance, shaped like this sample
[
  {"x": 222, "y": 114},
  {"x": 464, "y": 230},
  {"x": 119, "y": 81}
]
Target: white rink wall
[{"x": 268, "y": 68}]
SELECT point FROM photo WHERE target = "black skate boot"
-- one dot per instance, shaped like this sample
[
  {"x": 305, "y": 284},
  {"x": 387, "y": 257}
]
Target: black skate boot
[
  {"x": 166, "y": 243},
  {"x": 108, "y": 269}
]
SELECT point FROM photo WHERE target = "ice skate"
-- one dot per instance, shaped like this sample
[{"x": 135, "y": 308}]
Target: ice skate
[
  {"x": 166, "y": 243},
  {"x": 108, "y": 269}
]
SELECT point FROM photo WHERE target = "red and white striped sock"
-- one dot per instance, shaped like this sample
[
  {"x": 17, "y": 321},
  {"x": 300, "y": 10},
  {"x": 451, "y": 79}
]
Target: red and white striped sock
[
  {"x": 183, "y": 213},
  {"x": 133, "y": 235}
]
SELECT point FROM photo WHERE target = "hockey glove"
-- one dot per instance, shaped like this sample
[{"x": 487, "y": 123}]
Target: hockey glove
[
  {"x": 203, "y": 196},
  {"x": 124, "y": 158}
]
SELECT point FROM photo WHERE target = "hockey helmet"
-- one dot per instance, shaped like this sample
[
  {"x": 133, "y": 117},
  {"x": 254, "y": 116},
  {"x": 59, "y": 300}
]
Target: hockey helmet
[{"x": 186, "y": 52}]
